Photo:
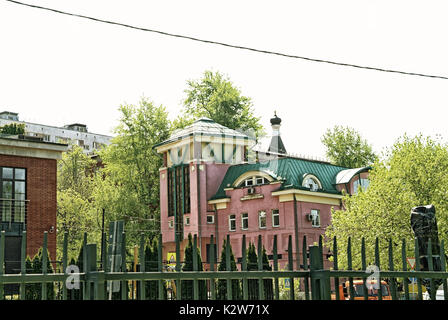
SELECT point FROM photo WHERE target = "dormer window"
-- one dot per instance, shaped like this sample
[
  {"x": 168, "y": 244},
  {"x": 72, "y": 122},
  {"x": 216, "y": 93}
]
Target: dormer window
[
  {"x": 310, "y": 181},
  {"x": 254, "y": 181},
  {"x": 360, "y": 183},
  {"x": 251, "y": 179}
]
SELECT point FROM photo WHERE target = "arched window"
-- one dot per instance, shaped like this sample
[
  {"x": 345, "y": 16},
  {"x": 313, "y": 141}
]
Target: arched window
[
  {"x": 252, "y": 178},
  {"x": 360, "y": 183},
  {"x": 254, "y": 181},
  {"x": 310, "y": 181}
]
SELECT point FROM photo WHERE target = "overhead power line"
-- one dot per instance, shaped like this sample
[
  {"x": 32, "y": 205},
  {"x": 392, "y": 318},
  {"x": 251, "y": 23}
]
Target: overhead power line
[{"x": 231, "y": 45}]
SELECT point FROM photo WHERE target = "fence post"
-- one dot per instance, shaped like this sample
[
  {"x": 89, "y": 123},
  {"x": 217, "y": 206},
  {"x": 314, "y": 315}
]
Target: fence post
[
  {"x": 2, "y": 261},
  {"x": 90, "y": 264},
  {"x": 320, "y": 280}
]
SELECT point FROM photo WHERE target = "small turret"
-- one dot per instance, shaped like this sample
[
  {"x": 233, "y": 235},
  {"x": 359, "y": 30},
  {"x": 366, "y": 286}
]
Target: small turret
[{"x": 276, "y": 145}]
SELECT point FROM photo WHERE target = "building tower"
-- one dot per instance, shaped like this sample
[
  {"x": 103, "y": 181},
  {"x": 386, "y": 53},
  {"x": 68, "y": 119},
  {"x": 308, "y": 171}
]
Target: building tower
[{"x": 276, "y": 144}]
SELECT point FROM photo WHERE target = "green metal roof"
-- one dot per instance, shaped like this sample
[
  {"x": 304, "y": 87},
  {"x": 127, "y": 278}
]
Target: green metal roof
[{"x": 290, "y": 171}]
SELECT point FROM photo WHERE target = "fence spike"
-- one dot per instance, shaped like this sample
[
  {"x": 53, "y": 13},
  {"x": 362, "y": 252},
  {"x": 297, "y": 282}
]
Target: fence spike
[
  {"x": 364, "y": 265},
  {"x": 275, "y": 257},
  {"x": 335, "y": 267},
  {"x": 23, "y": 265},
  {"x": 417, "y": 268},
  {"x": 244, "y": 268},
  {"x": 212, "y": 266},
  {"x": 290, "y": 267},
  {"x": 142, "y": 283},
  {"x": 405, "y": 268},
  {"x": 2, "y": 261},
  {"x": 393, "y": 286},
  {"x": 44, "y": 264}
]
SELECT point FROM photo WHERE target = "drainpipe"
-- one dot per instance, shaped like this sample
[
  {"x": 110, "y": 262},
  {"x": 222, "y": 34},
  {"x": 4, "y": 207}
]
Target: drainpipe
[
  {"x": 296, "y": 233},
  {"x": 199, "y": 206},
  {"x": 215, "y": 209}
]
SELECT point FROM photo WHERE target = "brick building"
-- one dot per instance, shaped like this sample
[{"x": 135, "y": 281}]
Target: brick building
[
  {"x": 214, "y": 182},
  {"x": 28, "y": 174}
]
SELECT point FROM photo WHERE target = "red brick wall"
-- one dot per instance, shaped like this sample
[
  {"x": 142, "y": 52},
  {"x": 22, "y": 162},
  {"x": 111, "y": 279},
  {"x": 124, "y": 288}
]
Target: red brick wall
[{"x": 41, "y": 191}]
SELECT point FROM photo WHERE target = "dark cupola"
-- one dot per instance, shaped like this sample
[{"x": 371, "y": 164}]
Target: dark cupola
[{"x": 276, "y": 145}]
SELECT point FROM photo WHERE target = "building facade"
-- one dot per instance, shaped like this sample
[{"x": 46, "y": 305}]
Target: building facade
[
  {"x": 75, "y": 133},
  {"x": 28, "y": 171},
  {"x": 215, "y": 182}
]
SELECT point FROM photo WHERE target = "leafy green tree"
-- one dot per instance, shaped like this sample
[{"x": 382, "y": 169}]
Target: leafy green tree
[
  {"x": 345, "y": 147},
  {"x": 127, "y": 187},
  {"x": 414, "y": 172},
  {"x": 222, "y": 284},
  {"x": 188, "y": 285},
  {"x": 214, "y": 96},
  {"x": 76, "y": 213}
]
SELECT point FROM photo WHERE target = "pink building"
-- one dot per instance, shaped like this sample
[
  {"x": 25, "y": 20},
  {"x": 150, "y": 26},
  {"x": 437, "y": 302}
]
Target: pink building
[{"x": 213, "y": 183}]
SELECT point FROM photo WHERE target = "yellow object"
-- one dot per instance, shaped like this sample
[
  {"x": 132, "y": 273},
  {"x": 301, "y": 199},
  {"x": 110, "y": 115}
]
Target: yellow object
[{"x": 171, "y": 259}]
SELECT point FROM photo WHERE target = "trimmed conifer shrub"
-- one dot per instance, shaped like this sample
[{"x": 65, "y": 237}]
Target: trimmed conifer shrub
[
  {"x": 33, "y": 291},
  {"x": 187, "y": 285},
  {"x": 222, "y": 284}
]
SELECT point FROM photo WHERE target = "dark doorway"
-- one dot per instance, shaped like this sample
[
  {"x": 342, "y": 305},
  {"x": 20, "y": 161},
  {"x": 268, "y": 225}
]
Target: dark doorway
[{"x": 13, "y": 247}]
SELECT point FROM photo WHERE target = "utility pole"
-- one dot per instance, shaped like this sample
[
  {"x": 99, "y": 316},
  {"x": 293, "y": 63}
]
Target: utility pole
[{"x": 102, "y": 241}]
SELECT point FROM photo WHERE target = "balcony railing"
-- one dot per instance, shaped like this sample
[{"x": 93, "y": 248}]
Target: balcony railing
[{"x": 13, "y": 215}]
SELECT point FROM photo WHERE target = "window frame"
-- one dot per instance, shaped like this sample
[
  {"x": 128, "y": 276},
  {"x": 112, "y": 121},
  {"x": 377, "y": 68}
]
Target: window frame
[
  {"x": 260, "y": 219},
  {"x": 313, "y": 220},
  {"x": 252, "y": 181},
  {"x": 360, "y": 183},
  {"x": 13, "y": 197},
  {"x": 276, "y": 214},
  {"x": 210, "y": 216},
  {"x": 232, "y": 218},
  {"x": 314, "y": 179},
  {"x": 245, "y": 217}
]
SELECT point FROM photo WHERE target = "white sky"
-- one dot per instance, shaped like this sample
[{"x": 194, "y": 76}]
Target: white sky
[{"x": 56, "y": 69}]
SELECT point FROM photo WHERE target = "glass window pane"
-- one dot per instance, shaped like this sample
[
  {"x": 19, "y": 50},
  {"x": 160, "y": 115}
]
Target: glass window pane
[
  {"x": 7, "y": 190},
  {"x": 232, "y": 223},
  {"x": 262, "y": 219},
  {"x": 19, "y": 174},
  {"x": 244, "y": 221},
  {"x": 19, "y": 187},
  {"x": 7, "y": 173},
  {"x": 6, "y": 210},
  {"x": 19, "y": 211}
]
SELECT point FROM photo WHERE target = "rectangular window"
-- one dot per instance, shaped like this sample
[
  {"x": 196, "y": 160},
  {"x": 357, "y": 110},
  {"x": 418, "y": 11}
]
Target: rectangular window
[
  {"x": 232, "y": 222},
  {"x": 187, "y": 221},
  {"x": 315, "y": 218},
  {"x": 275, "y": 218},
  {"x": 244, "y": 221},
  {"x": 262, "y": 219},
  {"x": 13, "y": 194},
  {"x": 179, "y": 190},
  {"x": 210, "y": 219},
  {"x": 249, "y": 182}
]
